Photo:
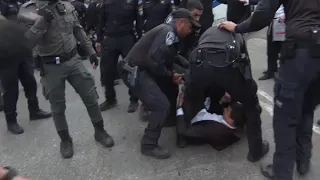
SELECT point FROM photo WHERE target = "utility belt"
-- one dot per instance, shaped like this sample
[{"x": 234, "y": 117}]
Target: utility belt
[
  {"x": 289, "y": 47},
  {"x": 55, "y": 59},
  {"x": 59, "y": 59},
  {"x": 212, "y": 58}
]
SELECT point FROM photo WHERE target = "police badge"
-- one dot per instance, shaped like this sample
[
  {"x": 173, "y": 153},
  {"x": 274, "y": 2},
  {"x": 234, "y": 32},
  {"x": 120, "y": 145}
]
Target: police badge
[
  {"x": 169, "y": 19},
  {"x": 170, "y": 38}
]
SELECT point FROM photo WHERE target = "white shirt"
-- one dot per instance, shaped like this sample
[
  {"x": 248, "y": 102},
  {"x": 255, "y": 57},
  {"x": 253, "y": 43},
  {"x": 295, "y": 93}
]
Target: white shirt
[{"x": 204, "y": 115}]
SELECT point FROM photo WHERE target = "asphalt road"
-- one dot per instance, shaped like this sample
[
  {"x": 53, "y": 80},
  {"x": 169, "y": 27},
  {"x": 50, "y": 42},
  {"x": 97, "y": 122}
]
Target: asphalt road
[{"x": 36, "y": 152}]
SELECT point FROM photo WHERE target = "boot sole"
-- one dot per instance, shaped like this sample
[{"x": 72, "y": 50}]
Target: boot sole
[{"x": 156, "y": 157}]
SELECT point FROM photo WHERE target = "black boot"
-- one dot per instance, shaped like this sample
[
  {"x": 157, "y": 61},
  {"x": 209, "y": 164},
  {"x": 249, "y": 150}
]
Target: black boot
[
  {"x": 157, "y": 152},
  {"x": 66, "y": 144},
  {"x": 15, "y": 128},
  {"x": 39, "y": 114},
  {"x": 133, "y": 106},
  {"x": 266, "y": 76},
  {"x": 102, "y": 136},
  {"x": 303, "y": 167},
  {"x": 264, "y": 151},
  {"x": 267, "y": 170},
  {"x": 106, "y": 105},
  {"x": 181, "y": 141}
]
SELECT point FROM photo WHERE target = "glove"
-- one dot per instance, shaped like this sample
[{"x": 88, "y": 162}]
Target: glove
[
  {"x": 46, "y": 13},
  {"x": 94, "y": 60}
]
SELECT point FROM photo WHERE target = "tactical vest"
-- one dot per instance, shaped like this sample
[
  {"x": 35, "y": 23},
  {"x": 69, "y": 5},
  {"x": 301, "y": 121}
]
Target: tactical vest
[{"x": 221, "y": 49}]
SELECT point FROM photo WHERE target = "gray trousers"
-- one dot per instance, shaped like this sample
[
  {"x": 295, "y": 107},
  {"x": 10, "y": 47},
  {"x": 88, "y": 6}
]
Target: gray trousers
[{"x": 80, "y": 79}]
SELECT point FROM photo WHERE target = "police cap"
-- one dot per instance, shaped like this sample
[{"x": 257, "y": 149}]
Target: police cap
[{"x": 184, "y": 13}]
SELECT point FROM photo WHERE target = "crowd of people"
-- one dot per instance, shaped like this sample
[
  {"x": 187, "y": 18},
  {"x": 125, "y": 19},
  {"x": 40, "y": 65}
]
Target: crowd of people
[{"x": 169, "y": 49}]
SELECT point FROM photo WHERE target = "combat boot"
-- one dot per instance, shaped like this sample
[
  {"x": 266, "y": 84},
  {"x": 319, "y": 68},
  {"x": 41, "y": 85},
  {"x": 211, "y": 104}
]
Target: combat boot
[
  {"x": 66, "y": 144},
  {"x": 264, "y": 151},
  {"x": 39, "y": 114},
  {"x": 133, "y": 106},
  {"x": 157, "y": 152},
  {"x": 303, "y": 167},
  {"x": 15, "y": 128},
  {"x": 12, "y": 124},
  {"x": 106, "y": 105},
  {"x": 102, "y": 136}
]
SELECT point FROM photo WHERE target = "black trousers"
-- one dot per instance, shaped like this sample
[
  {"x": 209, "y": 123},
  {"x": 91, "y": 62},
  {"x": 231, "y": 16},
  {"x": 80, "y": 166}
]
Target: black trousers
[
  {"x": 112, "y": 48},
  {"x": 232, "y": 81},
  {"x": 297, "y": 94},
  {"x": 10, "y": 84},
  {"x": 149, "y": 92},
  {"x": 273, "y": 50}
]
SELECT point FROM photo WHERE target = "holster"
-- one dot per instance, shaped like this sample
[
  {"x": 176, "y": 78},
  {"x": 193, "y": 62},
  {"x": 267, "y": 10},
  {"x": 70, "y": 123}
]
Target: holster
[{"x": 41, "y": 67}]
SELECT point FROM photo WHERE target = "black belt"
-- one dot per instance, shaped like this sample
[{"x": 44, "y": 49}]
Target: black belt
[{"x": 59, "y": 59}]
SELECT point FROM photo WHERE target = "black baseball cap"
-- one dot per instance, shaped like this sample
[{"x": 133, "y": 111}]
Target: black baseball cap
[{"x": 184, "y": 13}]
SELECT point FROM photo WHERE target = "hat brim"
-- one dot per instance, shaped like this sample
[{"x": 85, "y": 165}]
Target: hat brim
[{"x": 195, "y": 24}]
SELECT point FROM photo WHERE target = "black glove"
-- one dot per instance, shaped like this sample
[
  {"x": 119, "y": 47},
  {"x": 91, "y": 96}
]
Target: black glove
[
  {"x": 46, "y": 13},
  {"x": 94, "y": 59}
]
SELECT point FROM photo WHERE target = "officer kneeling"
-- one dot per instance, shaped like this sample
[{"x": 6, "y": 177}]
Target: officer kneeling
[
  {"x": 149, "y": 62},
  {"x": 221, "y": 60}
]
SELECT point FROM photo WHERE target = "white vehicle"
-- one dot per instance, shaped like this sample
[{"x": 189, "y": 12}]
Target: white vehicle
[{"x": 219, "y": 11}]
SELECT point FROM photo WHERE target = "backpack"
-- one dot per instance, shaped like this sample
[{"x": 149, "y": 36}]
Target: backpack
[{"x": 221, "y": 49}]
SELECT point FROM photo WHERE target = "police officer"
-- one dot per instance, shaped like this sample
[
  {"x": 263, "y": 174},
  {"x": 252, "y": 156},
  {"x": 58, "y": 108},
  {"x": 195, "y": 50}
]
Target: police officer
[
  {"x": 116, "y": 34},
  {"x": 55, "y": 32},
  {"x": 222, "y": 54},
  {"x": 9, "y": 9},
  {"x": 156, "y": 11},
  {"x": 10, "y": 83},
  {"x": 196, "y": 8},
  {"x": 297, "y": 83},
  {"x": 149, "y": 62}
]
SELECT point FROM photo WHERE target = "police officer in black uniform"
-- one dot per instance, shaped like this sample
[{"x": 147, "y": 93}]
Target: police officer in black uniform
[
  {"x": 155, "y": 12},
  {"x": 297, "y": 83},
  {"x": 150, "y": 61},
  {"x": 10, "y": 9},
  {"x": 116, "y": 37},
  {"x": 10, "y": 83}
]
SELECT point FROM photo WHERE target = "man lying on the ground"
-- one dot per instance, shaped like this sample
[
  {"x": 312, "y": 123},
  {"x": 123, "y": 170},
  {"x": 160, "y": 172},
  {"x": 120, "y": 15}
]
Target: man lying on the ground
[{"x": 208, "y": 127}]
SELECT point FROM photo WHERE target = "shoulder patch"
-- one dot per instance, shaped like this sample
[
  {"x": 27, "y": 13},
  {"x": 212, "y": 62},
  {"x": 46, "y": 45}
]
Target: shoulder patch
[
  {"x": 27, "y": 4},
  {"x": 169, "y": 19},
  {"x": 170, "y": 38}
]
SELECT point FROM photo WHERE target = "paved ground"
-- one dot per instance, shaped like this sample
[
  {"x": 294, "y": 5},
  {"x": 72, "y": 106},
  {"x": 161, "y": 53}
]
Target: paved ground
[{"x": 36, "y": 152}]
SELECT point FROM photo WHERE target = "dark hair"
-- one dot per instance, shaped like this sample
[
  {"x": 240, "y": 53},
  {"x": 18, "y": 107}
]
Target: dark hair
[
  {"x": 237, "y": 114},
  {"x": 194, "y": 4}
]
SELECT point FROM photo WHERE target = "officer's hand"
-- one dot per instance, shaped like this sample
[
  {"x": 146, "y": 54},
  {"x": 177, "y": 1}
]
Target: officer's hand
[
  {"x": 98, "y": 47},
  {"x": 46, "y": 13},
  {"x": 177, "y": 78},
  {"x": 228, "y": 25},
  {"x": 94, "y": 61}
]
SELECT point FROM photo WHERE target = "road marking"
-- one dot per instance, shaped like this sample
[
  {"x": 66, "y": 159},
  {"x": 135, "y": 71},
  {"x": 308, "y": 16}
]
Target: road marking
[{"x": 269, "y": 107}]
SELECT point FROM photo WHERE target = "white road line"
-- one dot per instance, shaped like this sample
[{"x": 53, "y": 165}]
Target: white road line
[{"x": 269, "y": 107}]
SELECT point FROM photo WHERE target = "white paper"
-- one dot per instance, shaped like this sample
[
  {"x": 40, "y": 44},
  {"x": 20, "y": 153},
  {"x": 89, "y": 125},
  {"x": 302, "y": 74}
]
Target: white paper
[{"x": 278, "y": 30}]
